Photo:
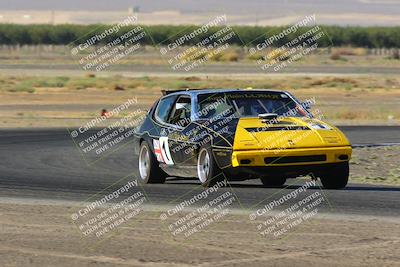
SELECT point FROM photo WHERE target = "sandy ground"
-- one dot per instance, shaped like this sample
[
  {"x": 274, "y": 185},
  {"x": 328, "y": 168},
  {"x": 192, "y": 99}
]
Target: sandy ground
[{"x": 43, "y": 235}]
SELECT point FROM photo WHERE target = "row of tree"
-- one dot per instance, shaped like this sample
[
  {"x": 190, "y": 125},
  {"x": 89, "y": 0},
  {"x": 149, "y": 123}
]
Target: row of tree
[{"x": 371, "y": 37}]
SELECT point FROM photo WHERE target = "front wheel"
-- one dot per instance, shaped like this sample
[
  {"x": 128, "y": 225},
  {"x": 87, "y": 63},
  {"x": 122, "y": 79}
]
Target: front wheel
[
  {"x": 337, "y": 177},
  {"x": 149, "y": 170},
  {"x": 207, "y": 169}
]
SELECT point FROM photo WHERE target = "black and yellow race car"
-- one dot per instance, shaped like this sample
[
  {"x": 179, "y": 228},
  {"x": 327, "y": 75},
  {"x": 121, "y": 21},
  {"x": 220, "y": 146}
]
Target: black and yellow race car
[{"x": 238, "y": 134}]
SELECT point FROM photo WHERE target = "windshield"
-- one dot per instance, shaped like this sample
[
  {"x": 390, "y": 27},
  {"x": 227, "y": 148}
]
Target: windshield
[{"x": 249, "y": 104}]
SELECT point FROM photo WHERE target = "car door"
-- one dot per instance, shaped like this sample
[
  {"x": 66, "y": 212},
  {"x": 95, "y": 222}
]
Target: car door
[
  {"x": 162, "y": 129},
  {"x": 178, "y": 138}
]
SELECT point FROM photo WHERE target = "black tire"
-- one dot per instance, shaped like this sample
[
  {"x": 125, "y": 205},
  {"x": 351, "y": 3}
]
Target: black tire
[
  {"x": 153, "y": 173},
  {"x": 337, "y": 177},
  {"x": 273, "y": 181},
  {"x": 208, "y": 173}
]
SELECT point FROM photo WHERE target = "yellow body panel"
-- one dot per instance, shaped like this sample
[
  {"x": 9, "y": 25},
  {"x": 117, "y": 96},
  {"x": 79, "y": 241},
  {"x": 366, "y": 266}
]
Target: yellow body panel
[
  {"x": 256, "y": 157},
  {"x": 255, "y": 140}
]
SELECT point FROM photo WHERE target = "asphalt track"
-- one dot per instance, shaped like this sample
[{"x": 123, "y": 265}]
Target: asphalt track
[
  {"x": 45, "y": 164},
  {"x": 212, "y": 70}
]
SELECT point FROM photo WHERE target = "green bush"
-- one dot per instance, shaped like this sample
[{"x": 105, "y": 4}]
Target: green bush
[{"x": 371, "y": 37}]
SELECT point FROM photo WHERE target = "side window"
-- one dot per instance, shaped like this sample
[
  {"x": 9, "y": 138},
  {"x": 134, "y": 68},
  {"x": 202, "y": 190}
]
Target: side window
[
  {"x": 164, "y": 108},
  {"x": 180, "y": 114},
  {"x": 215, "y": 107}
]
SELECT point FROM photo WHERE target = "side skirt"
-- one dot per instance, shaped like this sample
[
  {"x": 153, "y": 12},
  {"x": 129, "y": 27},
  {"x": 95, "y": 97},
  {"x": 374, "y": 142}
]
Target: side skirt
[{"x": 180, "y": 171}]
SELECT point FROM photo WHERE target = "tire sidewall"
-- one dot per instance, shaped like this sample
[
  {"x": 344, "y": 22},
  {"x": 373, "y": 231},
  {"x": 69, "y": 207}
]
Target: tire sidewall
[
  {"x": 214, "y": 174},
  {"x": 142, "y": 146},
  {"x": 337, "y": 178}
]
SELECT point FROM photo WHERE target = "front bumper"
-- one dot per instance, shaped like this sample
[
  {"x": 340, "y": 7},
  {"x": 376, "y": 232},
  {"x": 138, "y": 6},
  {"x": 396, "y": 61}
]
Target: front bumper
[{"x": 291, "y": 157}]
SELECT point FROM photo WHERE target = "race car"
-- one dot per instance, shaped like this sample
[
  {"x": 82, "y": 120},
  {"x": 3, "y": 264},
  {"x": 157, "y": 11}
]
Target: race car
[{"x": 239, "y": 134}]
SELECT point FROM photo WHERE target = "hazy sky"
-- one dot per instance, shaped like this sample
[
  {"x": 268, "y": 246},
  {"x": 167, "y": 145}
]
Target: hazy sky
[
  {"x": 341, "y": 12},
  {"x": 231, "y": 6}
]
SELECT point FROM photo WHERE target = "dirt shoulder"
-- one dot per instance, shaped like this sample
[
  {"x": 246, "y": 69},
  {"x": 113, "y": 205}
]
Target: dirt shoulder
[
  {"x": 43, "y": 235},
  {"x": 375, "y": 165}
]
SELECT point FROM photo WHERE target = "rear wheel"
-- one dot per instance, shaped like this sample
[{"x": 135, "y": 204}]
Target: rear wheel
[
  {"x": 207, "y": 169},
  {"x": 149, "y": 170},
  {"x": 337, "y": 177},
  {"x": 273, "y": 181}
]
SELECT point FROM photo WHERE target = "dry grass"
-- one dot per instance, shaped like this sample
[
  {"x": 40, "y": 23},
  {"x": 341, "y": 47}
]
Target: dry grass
[
  {"x": 150, "y": 55},
  {"x": 343, "y": 100},
  {"x": 375, "y": 165},
  {"x": 358, "y": 83},
  {"x": 349, "y": 51}
]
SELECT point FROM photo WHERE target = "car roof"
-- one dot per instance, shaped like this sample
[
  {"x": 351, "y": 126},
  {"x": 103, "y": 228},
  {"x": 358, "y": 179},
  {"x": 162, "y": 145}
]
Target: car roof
[{"x": 194, "y": 92}]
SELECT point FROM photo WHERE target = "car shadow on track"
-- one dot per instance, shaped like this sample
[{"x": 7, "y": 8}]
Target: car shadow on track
[
  {"x": 372, "y": 188},
  {"x": 235, "y": 184}
]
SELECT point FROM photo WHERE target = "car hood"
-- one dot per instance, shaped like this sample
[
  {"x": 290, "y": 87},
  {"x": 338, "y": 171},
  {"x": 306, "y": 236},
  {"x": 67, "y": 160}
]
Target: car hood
[{"x": 286, "y": 133}]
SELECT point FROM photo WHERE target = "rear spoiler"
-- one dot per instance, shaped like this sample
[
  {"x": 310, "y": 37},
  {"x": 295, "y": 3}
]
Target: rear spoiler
[{"x": 167, "y": 92}]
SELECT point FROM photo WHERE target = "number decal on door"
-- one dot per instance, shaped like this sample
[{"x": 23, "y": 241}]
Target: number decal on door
[{"x": 161, "y": 149}]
